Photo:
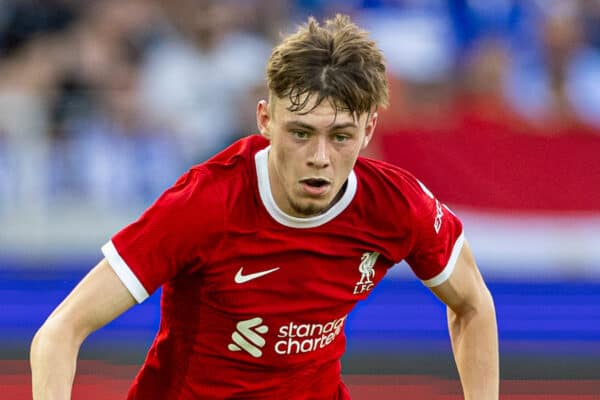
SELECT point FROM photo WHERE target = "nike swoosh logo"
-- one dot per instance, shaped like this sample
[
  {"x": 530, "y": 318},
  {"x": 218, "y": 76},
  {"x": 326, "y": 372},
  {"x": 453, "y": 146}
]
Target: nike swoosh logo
[{"x": 241, "y": 278}]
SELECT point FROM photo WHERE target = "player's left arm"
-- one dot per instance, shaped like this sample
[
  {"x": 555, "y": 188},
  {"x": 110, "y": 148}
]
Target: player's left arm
[{"x": 473, "y": 328}]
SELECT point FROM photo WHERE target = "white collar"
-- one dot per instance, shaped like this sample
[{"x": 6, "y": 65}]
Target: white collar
[{"x": 264, "y": 188}]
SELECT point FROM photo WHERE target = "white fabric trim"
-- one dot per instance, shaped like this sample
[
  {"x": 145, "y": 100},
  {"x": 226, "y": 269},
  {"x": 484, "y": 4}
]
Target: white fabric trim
[
  {"x": 124, "y": 273},
  {"x": 447, "y": 271},
  {"x": 264, "y": 188}
]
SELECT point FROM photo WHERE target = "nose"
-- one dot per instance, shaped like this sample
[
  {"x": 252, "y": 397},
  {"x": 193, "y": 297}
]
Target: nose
[{"x": 320, "y": 154}]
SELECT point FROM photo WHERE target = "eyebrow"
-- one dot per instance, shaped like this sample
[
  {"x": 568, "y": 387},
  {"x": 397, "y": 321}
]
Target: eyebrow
[{"x": 334, "y": 127}]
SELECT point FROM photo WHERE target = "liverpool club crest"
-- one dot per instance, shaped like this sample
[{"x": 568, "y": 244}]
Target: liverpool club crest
[{"x": 367, "y": 272}]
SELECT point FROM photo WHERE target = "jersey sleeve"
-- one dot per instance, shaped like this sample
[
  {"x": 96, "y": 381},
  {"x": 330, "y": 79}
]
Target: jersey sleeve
[
  {"x": 438, "y": 236},
  {"x": 176, "y": 232}
]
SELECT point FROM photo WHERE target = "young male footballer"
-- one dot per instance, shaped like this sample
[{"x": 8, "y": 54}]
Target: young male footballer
[{"x": 263, "y": 250}]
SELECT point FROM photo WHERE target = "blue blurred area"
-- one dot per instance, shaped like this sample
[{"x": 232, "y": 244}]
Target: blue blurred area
[
  {"x": 553, "y": 318},
  {"x": 28, "y": 298},
  {"x": 538, "y": 312}
]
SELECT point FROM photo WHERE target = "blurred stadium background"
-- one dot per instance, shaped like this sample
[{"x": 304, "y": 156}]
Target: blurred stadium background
[{"x": 495, "y": 106}]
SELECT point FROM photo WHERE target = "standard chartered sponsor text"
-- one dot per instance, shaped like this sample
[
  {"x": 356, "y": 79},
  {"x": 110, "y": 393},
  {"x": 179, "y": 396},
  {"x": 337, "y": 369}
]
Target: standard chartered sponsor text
[{"x": 304, "y": 338}]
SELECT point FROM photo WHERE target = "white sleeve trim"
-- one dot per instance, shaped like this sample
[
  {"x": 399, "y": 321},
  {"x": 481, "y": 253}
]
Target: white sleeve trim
[
  {"x": 447, "y": 271},
  {"x": 124, "y": 273}
]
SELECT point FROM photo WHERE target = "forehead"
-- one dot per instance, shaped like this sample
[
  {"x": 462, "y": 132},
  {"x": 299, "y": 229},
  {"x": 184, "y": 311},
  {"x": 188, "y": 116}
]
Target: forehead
[{"x": 323, "y": 115}]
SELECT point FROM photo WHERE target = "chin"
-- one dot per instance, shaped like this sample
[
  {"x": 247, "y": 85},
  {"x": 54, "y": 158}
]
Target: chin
[{"x": 310, "y": 209}]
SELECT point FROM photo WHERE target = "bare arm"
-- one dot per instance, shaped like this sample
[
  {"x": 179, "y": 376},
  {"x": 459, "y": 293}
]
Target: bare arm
[
  {"x": 98, "y": 299},
  {"x": 473, "y": 329}
]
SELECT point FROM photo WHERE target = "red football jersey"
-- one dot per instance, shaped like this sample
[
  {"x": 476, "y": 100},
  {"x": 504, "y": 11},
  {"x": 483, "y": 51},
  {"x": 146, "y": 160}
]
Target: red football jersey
[{"x": 254, "y": 300}]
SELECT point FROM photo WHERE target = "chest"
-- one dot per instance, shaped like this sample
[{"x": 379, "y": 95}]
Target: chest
[{"x": 286, "y": 270}]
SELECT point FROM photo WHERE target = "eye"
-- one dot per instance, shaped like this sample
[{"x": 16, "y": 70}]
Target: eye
[
  {"x": 340, "y": 137},
  {"x": 300, "y": 134}
]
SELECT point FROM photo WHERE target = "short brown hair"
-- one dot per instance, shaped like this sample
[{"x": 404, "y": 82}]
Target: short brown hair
[{"x": 337, "y": 62}]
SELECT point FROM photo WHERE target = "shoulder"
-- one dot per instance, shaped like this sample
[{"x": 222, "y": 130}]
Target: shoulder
[
  {"x": 383, "y": 180},
  {"x": 223, "y": 173},
  {"x": 240, "y": 153},
  {"x": 208, "y": 185}
]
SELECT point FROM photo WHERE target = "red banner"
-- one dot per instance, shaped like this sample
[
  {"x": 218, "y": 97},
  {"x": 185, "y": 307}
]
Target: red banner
[{"x": 498, "y": 169}]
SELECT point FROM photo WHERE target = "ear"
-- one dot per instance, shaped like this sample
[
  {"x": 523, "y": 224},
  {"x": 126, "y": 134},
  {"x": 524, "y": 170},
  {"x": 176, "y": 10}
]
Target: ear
[
  {"x": 263, "y": 118},
  {"x": 370, "y": 129}
]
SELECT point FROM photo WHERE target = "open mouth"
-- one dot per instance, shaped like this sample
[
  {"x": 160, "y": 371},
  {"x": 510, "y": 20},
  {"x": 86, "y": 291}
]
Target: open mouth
[
  {"x": 315, "y": 182},
  {"x": 315, "y": 186}
]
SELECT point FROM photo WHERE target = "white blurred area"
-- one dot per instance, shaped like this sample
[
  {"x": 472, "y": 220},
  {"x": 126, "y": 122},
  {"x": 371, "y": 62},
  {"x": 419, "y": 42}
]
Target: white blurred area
[{"x": 104, "y": 103}]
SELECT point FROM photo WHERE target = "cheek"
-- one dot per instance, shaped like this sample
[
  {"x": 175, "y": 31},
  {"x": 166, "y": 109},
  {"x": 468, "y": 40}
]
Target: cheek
[
  {"x": 288, "y": 155},
  {"x": 285, "y": 165},
  {"x": 347, "y": 160}
]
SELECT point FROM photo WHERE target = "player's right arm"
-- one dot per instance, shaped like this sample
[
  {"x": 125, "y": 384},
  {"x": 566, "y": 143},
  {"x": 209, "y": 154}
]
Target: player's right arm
[{"x": 99, "y": 298}]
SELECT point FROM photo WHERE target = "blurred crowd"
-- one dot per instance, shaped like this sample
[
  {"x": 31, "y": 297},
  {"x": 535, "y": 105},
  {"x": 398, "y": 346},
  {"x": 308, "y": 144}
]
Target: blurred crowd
[{"x": 106, "y": 102}]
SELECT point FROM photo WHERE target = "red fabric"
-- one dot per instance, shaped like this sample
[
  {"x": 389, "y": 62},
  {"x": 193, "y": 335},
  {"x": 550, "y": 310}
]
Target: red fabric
[
  {"x": 493, "y": 166},
  {"x": 197, "y": 237}
]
